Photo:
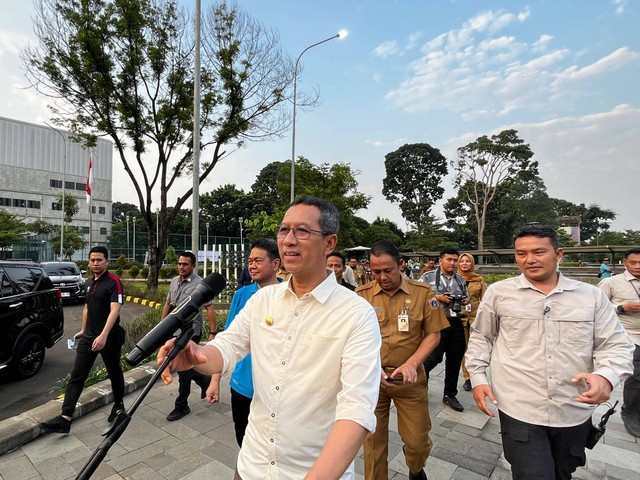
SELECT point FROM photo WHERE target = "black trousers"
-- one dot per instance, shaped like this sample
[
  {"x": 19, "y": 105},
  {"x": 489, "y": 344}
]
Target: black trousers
[
  {"x": 85, "y": 359},
  {"x": 240, "y": 407},
  {"x": 453, "y": 345},
  {"x": 536, "y": 452},
  {"x": 184, "y": 382},
  {"x": 631, "y": 395}
]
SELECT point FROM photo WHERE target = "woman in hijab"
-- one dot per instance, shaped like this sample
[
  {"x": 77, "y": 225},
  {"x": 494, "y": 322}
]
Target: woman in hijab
[{"x": 476, "y": 287}]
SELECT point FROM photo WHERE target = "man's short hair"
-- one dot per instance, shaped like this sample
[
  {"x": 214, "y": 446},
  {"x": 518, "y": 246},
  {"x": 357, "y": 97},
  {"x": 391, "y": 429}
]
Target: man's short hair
[
  {"x": 338, "y": 255},
  {"x": 631, "y": 251},
  {"x": 540, "y": 231},
  {"x": 353, "y": 257},
  {"x": 385, "y": 247},
  {"x": 100, "y": 249},
  {"x": 449, "y": 251},
  {"x": 269, "y": 245},
  {"x": 329, "y": 216},
  {"x": 189, "y": 254}
]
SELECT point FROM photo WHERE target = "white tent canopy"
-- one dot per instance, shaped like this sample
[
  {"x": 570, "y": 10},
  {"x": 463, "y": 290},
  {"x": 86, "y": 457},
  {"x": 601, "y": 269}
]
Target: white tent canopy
[{"x": 357, "y": 249}]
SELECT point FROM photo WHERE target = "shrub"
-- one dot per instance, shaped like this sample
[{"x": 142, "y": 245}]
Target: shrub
[
  {"x": 144, "y": 273},
  {"x": 168, "y": 272},
  {"x": 134, "y": 271}
]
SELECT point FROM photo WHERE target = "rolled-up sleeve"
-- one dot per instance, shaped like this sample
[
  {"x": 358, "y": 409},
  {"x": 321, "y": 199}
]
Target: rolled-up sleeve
[{"x": 360, "y": 375}]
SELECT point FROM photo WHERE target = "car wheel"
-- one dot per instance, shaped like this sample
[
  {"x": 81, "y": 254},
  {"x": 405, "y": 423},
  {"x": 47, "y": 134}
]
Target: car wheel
[{"x": 29, "y": 356}]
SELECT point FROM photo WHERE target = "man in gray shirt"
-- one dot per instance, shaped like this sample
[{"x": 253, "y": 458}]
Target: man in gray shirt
[
  {"x": 624, "y": 292},
  {"x": 180, "y": 288},
  {"x": 556, "y": 350}
]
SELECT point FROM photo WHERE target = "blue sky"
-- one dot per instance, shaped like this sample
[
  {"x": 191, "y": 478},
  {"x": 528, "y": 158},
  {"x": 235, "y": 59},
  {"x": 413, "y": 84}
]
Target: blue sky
[{"x": 564, "y": 74}]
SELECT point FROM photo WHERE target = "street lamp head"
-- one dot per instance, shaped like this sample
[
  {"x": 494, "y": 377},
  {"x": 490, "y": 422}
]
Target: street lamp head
[{"x": 343, "y": 33}]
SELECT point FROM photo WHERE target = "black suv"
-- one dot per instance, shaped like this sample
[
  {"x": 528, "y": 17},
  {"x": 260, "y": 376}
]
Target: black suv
[
  {"x": 31, "y": 317},
  {"x": 66, "y": 277}
]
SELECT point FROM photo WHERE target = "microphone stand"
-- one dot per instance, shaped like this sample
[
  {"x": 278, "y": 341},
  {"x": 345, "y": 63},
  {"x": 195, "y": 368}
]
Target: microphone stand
[{"x": 123, "y": 417}]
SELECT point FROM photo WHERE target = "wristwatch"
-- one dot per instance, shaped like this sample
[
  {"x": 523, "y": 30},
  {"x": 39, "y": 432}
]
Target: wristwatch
[{"x": 620, "y": 309}]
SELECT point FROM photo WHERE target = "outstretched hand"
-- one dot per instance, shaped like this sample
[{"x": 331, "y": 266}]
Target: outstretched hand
[
  {"x": 599, "y": 388},
  {"x": 190, "y": 356}
]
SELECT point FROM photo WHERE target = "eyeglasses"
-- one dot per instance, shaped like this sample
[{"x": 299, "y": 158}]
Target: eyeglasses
[{"x": 300, "y": 233}]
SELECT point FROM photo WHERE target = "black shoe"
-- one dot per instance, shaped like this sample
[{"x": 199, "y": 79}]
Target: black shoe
[
  {"x": 57, "y": 425},
  {"x": 632, "y": 426},
  {"x": 418, "y": 476},
  {"x": 467, "y": 385},
  {"x": 203, "y": 392},
  {"x": 114, "y": 411},
  {"x": 178, "y": 413},
  {"x": 453, "y": 403}
]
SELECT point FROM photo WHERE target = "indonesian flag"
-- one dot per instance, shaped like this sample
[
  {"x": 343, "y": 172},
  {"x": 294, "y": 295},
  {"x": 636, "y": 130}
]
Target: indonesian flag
[{"x": 90, "y": 178}]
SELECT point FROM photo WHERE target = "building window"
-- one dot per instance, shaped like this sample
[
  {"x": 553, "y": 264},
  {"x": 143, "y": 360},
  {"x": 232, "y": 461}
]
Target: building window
[
  {"x": 102, "y": 210},
  {"x": 5, "y": 202},
  {"x": 34, "y": 204},
  {"x": 55, "y": 183},
  {"x": 70, "y": 185},
  {"x": 93, "y": 209},
  {"x": 85, "y": 230},
  {"x": 103, "y": 230},
  {"x": 19, "y": 202},
  {"x": 56, "y": 206},
  {"x": 81, "y": 186}
]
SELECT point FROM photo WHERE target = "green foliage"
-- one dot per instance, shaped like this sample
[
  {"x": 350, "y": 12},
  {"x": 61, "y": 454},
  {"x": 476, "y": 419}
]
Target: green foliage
[
  {"x": 73, "y": 241},
  {"x": 262, "y": 225},
  {"x": 121, "y": 262},
  {"x": 125, "y": 72},
  {"x": 13, "y": 230},
  {"x": 144, "y": 272},
  {"x": 168, "y": 272},
  {"x": 484, "y": 165},
  {"x": 71, "y": 207},
  {"x": 134, "y": 271},
  {"x": 414, "y": 174},
  {"x": 41, "y": 227},
  {"x": 593, "y": 219},
  {"x": 171, "y": 256}
]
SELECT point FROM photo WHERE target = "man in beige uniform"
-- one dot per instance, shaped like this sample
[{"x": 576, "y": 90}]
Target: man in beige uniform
[{"x": 410, "y": 320}]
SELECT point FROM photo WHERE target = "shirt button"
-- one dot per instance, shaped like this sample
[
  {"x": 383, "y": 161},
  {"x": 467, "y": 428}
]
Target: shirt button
[
  {"x": 273, "y": 463},
  {"x": 273, "y": 415},
  {"x": 277, "y": 388},
  {"x": 271, "y": 440},
  {"x": 289, "y": 338},
  {"x": 284, "y": 363},
  {"x": 296, "y": 314}
]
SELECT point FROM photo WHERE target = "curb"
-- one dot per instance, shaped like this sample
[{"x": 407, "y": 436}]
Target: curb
[{"x": 23, "y": 428}]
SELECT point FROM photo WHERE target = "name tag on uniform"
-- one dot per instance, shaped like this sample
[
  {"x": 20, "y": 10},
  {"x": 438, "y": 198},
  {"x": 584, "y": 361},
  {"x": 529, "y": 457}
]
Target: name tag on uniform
[{"x": 403, "y": 320}]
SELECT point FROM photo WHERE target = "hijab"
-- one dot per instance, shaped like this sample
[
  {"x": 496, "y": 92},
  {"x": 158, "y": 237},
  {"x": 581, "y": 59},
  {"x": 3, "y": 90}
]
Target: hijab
[{"x": 471, "y": 275}]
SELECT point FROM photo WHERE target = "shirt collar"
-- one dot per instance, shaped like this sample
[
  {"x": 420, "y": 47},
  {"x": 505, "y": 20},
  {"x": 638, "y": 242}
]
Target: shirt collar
[
  {"x": 563, "y": 284},
  {"x": 404, "y": 286},
  {"x": 322, "y": 292},
  {"x": 627, "y": 276},
  {"x": 190, "y": 278}
]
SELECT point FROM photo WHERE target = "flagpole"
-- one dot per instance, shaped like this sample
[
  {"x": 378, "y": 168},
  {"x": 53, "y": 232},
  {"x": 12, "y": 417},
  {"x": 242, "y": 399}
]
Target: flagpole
[{"x": 90, "y": 196}]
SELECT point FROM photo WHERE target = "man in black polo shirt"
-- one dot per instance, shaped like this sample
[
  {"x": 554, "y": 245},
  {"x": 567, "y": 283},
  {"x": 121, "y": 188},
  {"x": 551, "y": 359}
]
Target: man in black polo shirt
[{"x": 102, "y": 334}]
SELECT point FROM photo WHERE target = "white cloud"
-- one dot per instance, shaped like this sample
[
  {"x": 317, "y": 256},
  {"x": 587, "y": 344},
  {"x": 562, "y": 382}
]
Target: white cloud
[
  {"x": 386, "y": 49},
  {"x": 620, "y": 5},
  {"x": 380, "y": 143},
  {"x": 475, "y": 72},
  {"x": 413, "y": 39},
  {"x": 613, "y": 61}
]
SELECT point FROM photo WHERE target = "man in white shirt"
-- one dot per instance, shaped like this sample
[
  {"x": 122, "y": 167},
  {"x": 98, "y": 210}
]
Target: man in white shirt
[
  {"x": 624, "y": 292},
  {"x": 556, "y": 350},
  {"x": 315, "y": 350}
]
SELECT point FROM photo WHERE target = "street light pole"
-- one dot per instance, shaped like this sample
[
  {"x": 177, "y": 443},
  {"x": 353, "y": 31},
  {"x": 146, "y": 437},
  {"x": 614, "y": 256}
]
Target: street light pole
[
  {"x": 64, "y": 181},
  {"x": 128, "y": 244},
  {"x": 341, "y": 34},
  {"x": 241, "y": 243}
]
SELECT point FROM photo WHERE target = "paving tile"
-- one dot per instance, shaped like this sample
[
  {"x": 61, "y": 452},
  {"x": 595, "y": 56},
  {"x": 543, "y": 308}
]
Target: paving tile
[
  {"x": 186, "y": 465},
  {"x": 616, "y": 456},
  {"x": 214, "y": 470},
  {"x": 56, "y": 468},
  {"x": 439, "y": 469},
  {"x": 464, "y": 474},
  {"x": 19, "y": 468},
  {"x": 464, "y": 460},
  {"x": 615, "y": 472}
]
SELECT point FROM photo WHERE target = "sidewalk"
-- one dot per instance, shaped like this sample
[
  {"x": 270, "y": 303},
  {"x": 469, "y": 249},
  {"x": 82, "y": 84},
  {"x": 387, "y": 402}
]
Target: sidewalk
[{"x": 202, "y": 445}]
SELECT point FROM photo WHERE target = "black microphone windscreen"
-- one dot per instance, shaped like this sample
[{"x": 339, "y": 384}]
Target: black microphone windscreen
[{"x": 215, "y": 282}]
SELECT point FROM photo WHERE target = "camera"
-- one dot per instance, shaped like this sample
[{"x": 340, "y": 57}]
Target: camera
[{"x": 456, "y": 303}]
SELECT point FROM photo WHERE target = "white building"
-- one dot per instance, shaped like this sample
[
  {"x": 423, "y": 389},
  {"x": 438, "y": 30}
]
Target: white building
[{"x": 36, "y": 161}]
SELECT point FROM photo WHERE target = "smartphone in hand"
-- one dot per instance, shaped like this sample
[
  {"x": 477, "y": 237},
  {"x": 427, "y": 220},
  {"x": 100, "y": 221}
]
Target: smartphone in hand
[{"x": 71, "y": 343}]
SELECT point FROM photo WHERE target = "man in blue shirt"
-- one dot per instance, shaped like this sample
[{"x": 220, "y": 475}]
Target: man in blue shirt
[
  {"x": 605, "y": 269},
  {"x": 264, "y": 262}
]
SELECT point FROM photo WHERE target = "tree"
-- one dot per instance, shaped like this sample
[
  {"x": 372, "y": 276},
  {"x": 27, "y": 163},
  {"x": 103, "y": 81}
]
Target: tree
[
  {"x": 223, "y": 208},
  {"x": 71, "y": 207},
  {"x": 120, "y": 210},
  {"x": 123, "y": 70},
  {"x": 13, "y": 230},
  {"x": 483, "y": 165},
  {"x": 413, "y": 179},
  {"x": 593, "y": 219},
  {"x": 384, "y": 229},
  {"x": 73, "y": 241}
]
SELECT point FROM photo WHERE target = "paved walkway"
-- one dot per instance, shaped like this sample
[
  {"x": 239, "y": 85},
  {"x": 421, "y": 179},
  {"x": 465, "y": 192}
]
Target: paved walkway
[{"x": 202, "y": 445}]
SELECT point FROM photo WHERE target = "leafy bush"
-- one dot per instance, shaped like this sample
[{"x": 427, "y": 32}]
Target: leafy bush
[
  {"x": 134, "y": 271},
  {"x": 121, "y": 262},
  {"x": 119, "y": 272},
  {"x": 168, "y": 272},
  {"x": 144, "y": 273}
]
